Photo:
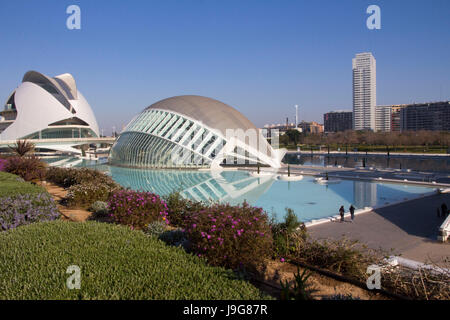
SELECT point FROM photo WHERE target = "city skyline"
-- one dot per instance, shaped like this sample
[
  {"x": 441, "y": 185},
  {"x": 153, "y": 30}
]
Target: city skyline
[{"x": 263, "y": 58}]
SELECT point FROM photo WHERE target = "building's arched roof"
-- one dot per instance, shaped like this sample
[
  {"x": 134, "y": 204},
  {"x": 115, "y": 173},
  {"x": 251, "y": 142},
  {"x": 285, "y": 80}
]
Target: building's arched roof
[
  {"x": 61, "y": 93},
  {"x": 43, "y": 103},
  {"x": 212, "y": 113},
  {"x": 67, "y": 82}
]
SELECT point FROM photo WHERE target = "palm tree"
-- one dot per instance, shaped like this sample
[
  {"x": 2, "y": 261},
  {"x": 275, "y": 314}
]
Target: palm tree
[{"x": 22, "y": 147}]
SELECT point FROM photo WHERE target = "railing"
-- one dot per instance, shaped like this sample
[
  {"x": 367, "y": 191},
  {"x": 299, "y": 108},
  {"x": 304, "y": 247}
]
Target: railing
[{"x": 63, "y": 140}]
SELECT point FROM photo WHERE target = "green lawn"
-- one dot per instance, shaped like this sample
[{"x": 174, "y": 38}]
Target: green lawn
[
  {"x": 115, "y": 262},
  {"x": 10, "y": 185}
]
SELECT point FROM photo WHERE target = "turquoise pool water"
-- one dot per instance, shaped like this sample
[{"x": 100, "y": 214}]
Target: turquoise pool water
[{"x": 308, "y": 199}]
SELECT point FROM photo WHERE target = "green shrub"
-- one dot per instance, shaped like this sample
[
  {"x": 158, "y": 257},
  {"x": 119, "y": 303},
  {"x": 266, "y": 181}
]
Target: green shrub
[
  {"x": 302, "y": 289},
  {"x": 85, "y": 194},
  {"x": 343, "y": 256},
  {"x": 136, "y": 209},
  {"x": 99, "y": 208},
  {"x": 115, "y": 262},
  {"x": 29, "y": 168},
  {"x": 156, "y": 228},
  {"x": 67, "y": 177},
  {"x": 179, "y": 209},
  {"x": 287, "y": 234},
  {"x": 64, "y": 177},
  {"x": 176, "y": 237},
  {"x": 230, "y": 236}
]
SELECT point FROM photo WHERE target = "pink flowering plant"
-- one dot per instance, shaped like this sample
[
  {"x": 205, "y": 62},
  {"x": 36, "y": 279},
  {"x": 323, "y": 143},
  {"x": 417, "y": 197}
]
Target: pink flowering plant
[
  {"x": 136, "y": 209},
  {"x": 230, "y": 236}
]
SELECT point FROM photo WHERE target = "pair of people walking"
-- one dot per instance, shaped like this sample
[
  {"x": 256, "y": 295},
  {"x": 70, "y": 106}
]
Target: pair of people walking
[{"x": 352, "y": 212}]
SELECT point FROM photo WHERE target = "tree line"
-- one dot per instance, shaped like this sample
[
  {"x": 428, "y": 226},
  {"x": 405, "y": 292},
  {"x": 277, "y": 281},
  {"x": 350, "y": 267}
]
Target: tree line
[{"x": 370, "y": 138}]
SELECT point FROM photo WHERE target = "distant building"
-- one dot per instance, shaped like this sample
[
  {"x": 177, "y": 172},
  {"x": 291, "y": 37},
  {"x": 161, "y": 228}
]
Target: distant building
[
  {"x": 279, "y": 129},
  {"x": 191, "y": 132},
  {"x": 43, "y": 108},
  {"x": 364, "y": 91},
  {"x": 337, "y": 121},
  {"x": 395, "y": 117},
  {"x": 311, "y": 127},
  {"x": 433, "y": 116},
  {"x": 383, "y": 118}
]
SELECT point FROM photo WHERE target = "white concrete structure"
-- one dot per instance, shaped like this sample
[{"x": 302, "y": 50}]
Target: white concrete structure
[
  {"x": 364, "y": 91},
  {"x": 48, "y": 108},
  {"x": 383, "y": 118},
  {"x": 444, "y": 230},
  {"x": 192, "y": 132}
]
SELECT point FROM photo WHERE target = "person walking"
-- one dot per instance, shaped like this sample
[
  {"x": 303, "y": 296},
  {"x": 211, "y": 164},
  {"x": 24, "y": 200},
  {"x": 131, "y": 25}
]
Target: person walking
[
  {"x": 444, "y": 210},
  {"x": 352, "y": 212},
  {"x": 341, "y": 212}
]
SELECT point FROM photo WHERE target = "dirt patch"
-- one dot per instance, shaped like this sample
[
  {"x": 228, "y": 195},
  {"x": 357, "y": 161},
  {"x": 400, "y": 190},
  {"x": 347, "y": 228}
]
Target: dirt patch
[
  {"x": 58, "y": 193},
  {"x": 324, "y": 287}
]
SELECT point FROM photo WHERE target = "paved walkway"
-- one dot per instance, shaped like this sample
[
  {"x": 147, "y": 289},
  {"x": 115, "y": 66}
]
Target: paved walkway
[{"x": 410, "y": 228}]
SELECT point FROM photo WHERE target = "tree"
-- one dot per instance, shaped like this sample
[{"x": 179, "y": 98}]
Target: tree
[
  {"x": 293, "y": 136},
  {"x": 22, "y": 147}
]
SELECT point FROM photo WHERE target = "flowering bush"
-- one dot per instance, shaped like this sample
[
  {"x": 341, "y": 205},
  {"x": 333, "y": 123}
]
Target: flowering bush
[
  {"x": 3, "y": 164},
  {"x": 136, "y": 209},
  {"x": 84, "y": 195},
  {"x": 67, "y": 177},
  {"x": 29, "y": 168},
  {"x": 230, "y": 236},
  {"x": 24, "y": 209},
  {"x": 180, "y": 208}
]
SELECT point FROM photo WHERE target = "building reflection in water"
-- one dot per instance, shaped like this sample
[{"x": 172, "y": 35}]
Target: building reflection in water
[
  {"x": 364, "y": 194},
  {"x": 227, "y": 186}
]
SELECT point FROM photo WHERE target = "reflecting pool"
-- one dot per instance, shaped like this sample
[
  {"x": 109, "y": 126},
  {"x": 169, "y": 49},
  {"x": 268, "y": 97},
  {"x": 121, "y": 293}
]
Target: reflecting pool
[{"x": 308, "y": 199}]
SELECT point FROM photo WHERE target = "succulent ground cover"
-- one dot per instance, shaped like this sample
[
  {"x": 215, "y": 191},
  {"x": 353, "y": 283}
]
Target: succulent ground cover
[{"x": 115, "y": 261}]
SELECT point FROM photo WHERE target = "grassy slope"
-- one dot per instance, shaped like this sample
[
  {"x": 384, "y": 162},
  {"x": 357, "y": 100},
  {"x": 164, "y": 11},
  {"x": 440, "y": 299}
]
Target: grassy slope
[
  {"x": 115, "y": 262},
  {"x": 10, "y": 185}
]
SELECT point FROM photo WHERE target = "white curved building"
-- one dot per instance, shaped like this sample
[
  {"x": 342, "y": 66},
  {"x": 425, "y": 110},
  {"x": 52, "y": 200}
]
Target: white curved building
[
  {"x": 47, "y": 108},
  {"x": 192, "y": 132}
]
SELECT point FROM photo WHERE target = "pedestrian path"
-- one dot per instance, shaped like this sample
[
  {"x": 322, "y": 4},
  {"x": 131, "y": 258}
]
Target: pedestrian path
[{"x": 410, "y": 228}]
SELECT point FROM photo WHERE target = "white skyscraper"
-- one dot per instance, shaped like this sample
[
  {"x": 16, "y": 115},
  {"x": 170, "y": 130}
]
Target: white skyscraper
[{"x": 364, "y": 91}]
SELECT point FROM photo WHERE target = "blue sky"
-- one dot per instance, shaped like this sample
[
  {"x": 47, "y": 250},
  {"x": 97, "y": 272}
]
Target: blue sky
[{"x": 259, "y": 56}]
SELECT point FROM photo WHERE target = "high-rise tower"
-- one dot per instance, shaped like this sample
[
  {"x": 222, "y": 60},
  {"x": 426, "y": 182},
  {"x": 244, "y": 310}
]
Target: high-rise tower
[{"x": 364, "y": 91}]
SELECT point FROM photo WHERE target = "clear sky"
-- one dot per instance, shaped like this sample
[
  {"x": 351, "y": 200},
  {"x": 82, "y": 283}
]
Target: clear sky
[{"x": 259, "y": 56}]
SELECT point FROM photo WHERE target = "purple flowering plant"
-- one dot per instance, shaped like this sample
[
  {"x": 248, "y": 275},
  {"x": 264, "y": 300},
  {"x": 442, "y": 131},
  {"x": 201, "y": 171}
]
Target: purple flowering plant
[
  {"x": 3, "y": 163},
  {"x": 230, "y": 236},
  {"x": 23, "y": 209},
  {"x": 136, "y": 209}
]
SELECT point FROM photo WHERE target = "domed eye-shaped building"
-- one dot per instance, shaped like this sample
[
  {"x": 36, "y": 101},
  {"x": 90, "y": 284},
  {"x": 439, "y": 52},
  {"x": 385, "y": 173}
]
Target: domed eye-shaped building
[
  {"x": 192, "y": 132},
  {"x": 47, "y": 108}
]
